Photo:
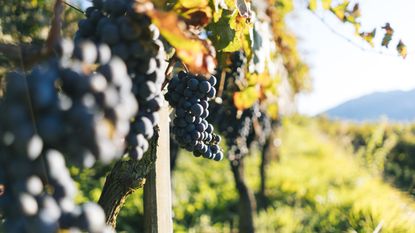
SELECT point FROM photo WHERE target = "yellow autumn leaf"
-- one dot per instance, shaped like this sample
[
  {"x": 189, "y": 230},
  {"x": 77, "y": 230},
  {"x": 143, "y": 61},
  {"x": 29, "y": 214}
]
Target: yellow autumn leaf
[
  {"x": 195, "y": 53},
  {"x": 246, "y": 98},
  {"x": 312, "y": 5},
  {"x": 193, "y": 3},
  {"x": 272, "y": 111},
  {"x": 326, "y": 4},
  {"x": 402, "y": 50}
]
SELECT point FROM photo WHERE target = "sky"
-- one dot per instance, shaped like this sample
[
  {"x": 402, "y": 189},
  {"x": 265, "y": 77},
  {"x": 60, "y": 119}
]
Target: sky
[{"x": 340, "y": 70}]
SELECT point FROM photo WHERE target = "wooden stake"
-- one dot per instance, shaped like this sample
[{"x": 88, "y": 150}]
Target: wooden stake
[{"x": 157, "y": 189}]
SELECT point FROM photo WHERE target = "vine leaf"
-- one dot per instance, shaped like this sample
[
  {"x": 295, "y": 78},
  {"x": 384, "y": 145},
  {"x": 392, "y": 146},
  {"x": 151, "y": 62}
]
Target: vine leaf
[
  {"x": 402, "y": 50},
  {"x": 272, "y": 111},
  {"x": 230, "y": 4},
  {"x": 388, "y": 35},
  {"x": 368, "y": 36},
  {"x": 193, "y": 3},
  {"x": 340, "y": 10},
  {"x": 198, "y": 55},
  {"x": 312, "y": 5},
  {"x": 354, "y": 14},
  {"x": 194, "y": 12},
  {"x": 231, "y": 32},
  {"x": 246, "y": 98},
  {"x": 196, "y": 16},
  {"x": 326, "y": 4}
]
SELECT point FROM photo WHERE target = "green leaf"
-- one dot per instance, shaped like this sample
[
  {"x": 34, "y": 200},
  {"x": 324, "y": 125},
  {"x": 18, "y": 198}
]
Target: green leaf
[
  {"x": 221, "y": 34},
  {"x": 228, "y": 34},
  {"x": 388, "y": 35},
  {"x": 386, "y": 40}
]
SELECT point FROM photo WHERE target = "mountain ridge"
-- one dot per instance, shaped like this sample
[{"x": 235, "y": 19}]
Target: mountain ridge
[{"x": 395, "y": 105}]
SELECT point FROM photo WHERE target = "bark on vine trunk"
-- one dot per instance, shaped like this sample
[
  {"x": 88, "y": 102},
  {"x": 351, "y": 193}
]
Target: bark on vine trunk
[
  {"x": 247, "y": 204},
  {"x": 125, "y": 177},
  {"x": 265, "y": 158}
]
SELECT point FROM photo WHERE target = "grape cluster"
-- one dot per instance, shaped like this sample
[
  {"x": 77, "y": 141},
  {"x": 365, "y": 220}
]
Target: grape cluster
[
  {"x": 237, "y": 69},
  {"x": 28, "y": 204},
  {"x": 133, "y": 38},
  {"x": 241, "y": 127},
  {"x": 63, "y": 106},
  {"x": 265, "y": 126},
  {"x": 189, "y": 95},
  {"x": 97, "y": 106},
  {"x": 236, "y": 125}
]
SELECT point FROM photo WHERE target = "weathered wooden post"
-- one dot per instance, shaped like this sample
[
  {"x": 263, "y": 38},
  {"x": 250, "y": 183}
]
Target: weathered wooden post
[{"x": 157, "y": 189}]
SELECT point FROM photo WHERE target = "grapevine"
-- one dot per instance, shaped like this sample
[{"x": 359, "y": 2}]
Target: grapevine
[{"x": 95, "y": 99}]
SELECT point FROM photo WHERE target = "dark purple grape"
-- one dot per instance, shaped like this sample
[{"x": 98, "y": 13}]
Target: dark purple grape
[
  {"x": 212, "y": 80},
  {"x": 212, "y": 93},
  {"x": 145, "y": 127},
  {"x": 192, "y": 84},
  {"x": 204, "y": 87},
  {"x": 109, "y": 34},
  {"x": 189, "y": 118},
  {"x": 196, "y": 109}
]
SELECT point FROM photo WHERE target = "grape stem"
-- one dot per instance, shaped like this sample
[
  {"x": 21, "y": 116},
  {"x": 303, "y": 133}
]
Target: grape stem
[
  {"x": 55, "y": 29},
  {"x": 169, "y": 70},
  {"x": 184, "y": 66},
  {"x": 221, "y": 84},
  {"x": 2, "y": 189}
]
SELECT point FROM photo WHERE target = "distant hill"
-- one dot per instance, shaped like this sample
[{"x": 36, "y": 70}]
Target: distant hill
[{"x": 395, "y": 105}]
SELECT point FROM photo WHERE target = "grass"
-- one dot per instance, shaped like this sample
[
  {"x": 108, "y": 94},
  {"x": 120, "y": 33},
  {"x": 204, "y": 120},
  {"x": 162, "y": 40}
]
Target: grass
[{"x": 315, "y": 187}]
